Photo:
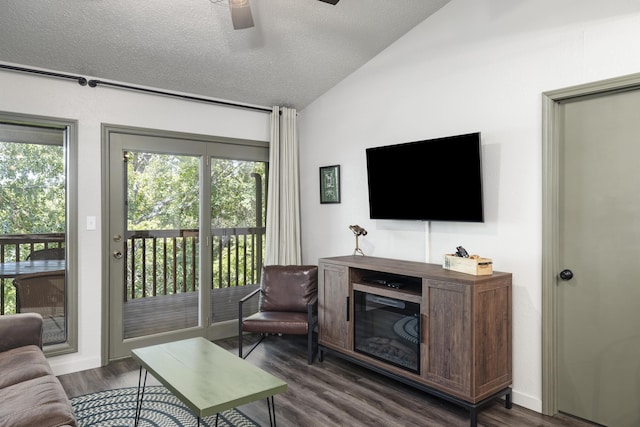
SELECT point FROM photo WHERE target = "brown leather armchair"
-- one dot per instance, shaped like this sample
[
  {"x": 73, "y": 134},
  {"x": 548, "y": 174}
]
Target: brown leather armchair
[{"x": 288, "y": 305}]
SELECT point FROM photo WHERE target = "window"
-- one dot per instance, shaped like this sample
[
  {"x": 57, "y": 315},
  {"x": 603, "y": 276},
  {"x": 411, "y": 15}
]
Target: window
[{"x": 36, "y": 215}]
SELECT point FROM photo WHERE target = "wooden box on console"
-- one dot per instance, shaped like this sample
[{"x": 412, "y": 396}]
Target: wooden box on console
[{"x": 472, "y": 265}]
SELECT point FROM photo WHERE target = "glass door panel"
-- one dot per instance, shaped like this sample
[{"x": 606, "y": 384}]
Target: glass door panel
[
  {"x": 162, "y": 243},
  {"x": 237, "y": 233}
]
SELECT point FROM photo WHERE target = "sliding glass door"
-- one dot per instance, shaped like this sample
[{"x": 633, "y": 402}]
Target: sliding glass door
[{"x": 184, "y": 215}]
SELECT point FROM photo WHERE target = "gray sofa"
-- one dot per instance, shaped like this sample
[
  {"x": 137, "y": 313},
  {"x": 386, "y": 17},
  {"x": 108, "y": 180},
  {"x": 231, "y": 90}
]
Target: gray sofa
[{"x": 30, "y": 395}]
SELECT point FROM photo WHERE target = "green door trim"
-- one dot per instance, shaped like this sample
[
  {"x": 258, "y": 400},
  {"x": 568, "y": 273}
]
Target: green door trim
[{"x": 550, "y": 219}]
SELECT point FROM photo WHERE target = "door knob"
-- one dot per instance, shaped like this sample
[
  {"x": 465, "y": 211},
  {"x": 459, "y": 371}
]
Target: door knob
[
  {"x": 117, "y": 254},
  {"x": 566, "y": 274}
]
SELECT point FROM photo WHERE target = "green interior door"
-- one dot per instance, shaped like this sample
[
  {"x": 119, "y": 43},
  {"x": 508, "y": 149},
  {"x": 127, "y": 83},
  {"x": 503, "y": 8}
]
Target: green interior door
[{"x": 598, "y": 316}]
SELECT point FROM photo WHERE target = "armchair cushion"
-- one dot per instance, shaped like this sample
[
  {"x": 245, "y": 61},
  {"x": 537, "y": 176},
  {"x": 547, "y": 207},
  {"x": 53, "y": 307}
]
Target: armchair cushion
[
  {"x": 277, "y": 321},
  {"x": 288, "y": 288}
]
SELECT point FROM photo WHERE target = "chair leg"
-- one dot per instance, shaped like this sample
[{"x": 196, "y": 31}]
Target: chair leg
[
  {"x": 255, "y": 345},
  {"x": 240, "y": 331},
  {"x": 310, "y": 327},
  {"x": 310, "y": 355}
]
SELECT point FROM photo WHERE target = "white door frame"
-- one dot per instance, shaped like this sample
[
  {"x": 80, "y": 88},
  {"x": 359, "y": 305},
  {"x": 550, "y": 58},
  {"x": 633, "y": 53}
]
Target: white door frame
[{"x": 550, "y": 219}]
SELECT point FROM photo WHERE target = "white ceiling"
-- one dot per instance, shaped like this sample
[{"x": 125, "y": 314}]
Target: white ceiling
[{"x": 297, "y": 50}]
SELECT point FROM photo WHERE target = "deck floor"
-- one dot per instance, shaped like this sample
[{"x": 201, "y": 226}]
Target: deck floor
[{"x": 151, "y": 315}]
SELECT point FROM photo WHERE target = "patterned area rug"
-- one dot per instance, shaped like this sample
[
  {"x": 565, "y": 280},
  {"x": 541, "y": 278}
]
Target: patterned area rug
[{"x": 159, "y": 408}]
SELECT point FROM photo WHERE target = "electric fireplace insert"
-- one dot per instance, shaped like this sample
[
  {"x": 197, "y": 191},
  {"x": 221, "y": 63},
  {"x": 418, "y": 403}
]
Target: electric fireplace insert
[{"x": 387, "y": 329}]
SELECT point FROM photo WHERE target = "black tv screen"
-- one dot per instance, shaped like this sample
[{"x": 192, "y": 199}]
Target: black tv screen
[{"x": 431, "y": 180}]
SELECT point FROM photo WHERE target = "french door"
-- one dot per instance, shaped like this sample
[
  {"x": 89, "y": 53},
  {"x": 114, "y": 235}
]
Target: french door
[{"x": 176, "y": 263}]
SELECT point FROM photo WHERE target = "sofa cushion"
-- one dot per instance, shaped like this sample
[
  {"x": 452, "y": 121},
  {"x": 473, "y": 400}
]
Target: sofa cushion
[
  {"x": 22, "y": 364},
  {"x": 18, "y": 330},
  {"x": 37, "y": 402}
]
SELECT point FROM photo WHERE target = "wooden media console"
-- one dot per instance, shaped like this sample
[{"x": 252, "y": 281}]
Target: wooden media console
[{"x": 459, "y": 346}]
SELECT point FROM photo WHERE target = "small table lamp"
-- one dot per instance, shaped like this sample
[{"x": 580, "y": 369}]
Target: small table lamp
[{"x": 358, "y": 231}]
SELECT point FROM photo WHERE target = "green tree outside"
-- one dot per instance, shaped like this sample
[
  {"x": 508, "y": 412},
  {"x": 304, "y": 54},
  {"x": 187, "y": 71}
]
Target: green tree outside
[
  {"x": 163, "y": 194},
  {"x": 32, "y": 196}
]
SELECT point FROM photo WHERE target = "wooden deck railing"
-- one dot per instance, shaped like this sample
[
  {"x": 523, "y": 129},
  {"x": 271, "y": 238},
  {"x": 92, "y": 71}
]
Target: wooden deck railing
[{"x": 159, "y": 262}]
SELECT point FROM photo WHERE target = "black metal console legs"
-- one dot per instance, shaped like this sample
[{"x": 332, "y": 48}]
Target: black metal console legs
[{"x": 473, "y": 408}]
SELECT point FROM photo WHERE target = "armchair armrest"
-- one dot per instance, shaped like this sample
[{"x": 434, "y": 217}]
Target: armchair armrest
[
  {"x": 242, "y": 301},
  {"x": 249, "y": 296},
  {"x": 313, "y": 304},
  {"x": 18, "y": 330},
  {"x": 312, "y": 310},
  {"x": 245, "y": 299}
]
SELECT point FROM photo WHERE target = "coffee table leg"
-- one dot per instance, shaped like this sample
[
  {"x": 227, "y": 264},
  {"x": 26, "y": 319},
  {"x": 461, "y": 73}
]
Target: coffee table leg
[
  {"x": 271, "y": 404},
  {"x": 140, "y": 395}
]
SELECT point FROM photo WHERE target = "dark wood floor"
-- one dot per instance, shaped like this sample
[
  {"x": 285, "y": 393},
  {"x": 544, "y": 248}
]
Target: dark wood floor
[{"x": 332, "y": 393}]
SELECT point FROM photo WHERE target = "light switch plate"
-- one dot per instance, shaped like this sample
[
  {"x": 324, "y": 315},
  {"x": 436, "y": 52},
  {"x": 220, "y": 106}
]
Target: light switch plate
[{"x": 91, "y": 223}]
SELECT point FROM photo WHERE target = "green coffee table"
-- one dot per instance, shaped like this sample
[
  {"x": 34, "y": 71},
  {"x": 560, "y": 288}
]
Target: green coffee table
[{"x": 205, "y": 377}]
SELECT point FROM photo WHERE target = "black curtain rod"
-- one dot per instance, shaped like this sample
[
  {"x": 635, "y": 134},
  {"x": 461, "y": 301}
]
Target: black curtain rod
[
  {"x": 81, "y": 80},
  {"x": 94, "y": 83}
]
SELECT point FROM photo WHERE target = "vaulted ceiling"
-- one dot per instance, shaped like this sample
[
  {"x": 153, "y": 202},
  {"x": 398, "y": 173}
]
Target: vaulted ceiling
[{"x": 296, "y": 50}]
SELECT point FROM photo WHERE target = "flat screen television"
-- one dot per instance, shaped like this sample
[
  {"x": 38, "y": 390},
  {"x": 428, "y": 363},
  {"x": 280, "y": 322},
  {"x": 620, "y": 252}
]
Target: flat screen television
[{"x": 432, "y": 180}]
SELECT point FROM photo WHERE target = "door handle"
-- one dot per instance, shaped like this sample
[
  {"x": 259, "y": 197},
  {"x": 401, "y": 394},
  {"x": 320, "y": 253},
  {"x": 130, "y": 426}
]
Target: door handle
[
  {"x": 117, "y": 254},
  {"x": 347, "y": 309},
  {"x": 566, "y": 274}
]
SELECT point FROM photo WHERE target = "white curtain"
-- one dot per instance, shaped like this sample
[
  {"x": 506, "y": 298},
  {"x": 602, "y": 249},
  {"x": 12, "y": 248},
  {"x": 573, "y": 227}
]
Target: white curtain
[{"x": 283, "y": 199}]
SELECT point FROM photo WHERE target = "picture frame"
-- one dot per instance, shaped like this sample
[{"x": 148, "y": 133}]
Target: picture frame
[{"x": 330, "y": 184}]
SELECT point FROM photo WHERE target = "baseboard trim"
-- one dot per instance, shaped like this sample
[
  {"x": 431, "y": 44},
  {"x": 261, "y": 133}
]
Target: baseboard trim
[{"x": 527, "y": 401}]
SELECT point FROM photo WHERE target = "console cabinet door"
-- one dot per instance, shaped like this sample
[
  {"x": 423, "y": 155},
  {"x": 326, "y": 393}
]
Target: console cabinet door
[
  {"x": 446, "y": 314},
  {"x": 492, "y": 325},
  {"x": 333, "y": 305}
]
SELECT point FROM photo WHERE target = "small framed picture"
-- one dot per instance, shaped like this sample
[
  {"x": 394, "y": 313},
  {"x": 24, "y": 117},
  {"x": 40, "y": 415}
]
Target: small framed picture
[{"x": 330, "y": 184}]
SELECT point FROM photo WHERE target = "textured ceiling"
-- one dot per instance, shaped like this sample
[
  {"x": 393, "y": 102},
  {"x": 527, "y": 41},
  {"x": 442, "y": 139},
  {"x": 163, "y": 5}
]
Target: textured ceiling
[{"x": 297, "y": 50}]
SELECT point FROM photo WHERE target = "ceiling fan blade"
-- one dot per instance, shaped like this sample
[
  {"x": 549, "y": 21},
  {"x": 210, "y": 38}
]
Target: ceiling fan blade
[
  {"x": 333, "y": 2},
  {"x": 240, "y": 14}
]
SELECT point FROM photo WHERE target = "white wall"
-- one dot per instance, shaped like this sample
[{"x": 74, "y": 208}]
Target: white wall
[
  {"x": 34, "y": 95},
  {"x": 477, "y": 65}
]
